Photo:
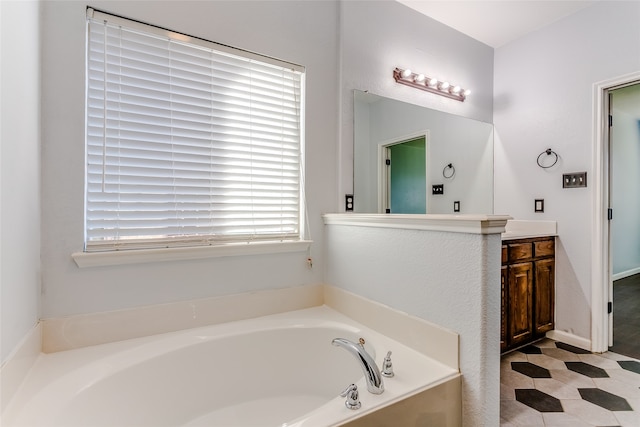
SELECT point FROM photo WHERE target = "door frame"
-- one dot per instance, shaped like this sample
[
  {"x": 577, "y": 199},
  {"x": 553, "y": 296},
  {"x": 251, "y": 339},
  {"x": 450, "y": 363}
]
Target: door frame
[
  {"x": 383, "y": 178},
  {"x": 601, "y": 274}
]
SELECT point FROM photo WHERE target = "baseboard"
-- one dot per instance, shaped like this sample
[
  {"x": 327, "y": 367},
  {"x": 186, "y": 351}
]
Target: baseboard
[
  {"x": 570, "y": 339},
  {"x": 627, "y": 273},
  {"x": 18, "y": 364}
]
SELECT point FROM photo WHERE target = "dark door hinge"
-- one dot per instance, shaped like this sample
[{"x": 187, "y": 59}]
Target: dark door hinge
[
  {"x": 610, "y": 120},
  {"x": 609, "y": 307},
  {"x": 388, "y": 162},
  {"x": 609, "y": 214}
]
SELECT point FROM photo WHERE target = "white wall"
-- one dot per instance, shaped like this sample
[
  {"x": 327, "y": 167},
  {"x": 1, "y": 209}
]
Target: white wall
[
  {"x": 544, "y": 83},
  {"x": 19, "y": 171},
  {"x": 300, "y": 32},
  {"x": 376, "y": 37},
  {"x": 625, "y": 181}
]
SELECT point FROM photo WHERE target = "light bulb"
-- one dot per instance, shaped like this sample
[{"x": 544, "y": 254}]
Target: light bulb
[
  {"x": 406, "y": 73},
  {"x": 444, "y": 86},
  {"x": 455, "y": 90},
  {"x": 419, "y": 78},
  {"x": 466, "y": 92},
  {"x": 433, "y": 82}
]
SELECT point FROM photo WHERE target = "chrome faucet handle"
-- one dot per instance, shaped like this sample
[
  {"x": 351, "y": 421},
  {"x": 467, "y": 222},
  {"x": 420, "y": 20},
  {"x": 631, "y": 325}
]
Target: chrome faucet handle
[
  {"x": 353, "y": 398},
  {"x": 387, "y": 366}
]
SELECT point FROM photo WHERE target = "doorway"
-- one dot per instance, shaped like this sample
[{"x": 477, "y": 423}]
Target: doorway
[
  {"x": 403, "y": 175},
  {"x": 624, "y": 200},
  {"x": 605, "y": 190}
]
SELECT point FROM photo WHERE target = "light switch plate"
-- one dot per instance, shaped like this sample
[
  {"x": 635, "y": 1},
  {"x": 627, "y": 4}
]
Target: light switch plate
[
  {"x": 437, "y": 189},
  {"x": 574, "y": 180}
]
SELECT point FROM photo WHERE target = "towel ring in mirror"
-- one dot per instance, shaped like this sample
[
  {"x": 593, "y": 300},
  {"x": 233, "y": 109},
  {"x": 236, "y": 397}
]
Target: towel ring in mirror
[
  {"x": 451, "y": 173},
  {"x": 548, "y": 152}
]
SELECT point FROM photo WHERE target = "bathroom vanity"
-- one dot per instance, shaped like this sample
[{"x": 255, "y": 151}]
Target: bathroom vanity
[{"x": 528, "y": 290}]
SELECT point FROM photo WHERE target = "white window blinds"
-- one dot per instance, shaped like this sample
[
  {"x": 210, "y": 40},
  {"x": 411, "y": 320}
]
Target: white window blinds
[{"x": 188, "y": 142}]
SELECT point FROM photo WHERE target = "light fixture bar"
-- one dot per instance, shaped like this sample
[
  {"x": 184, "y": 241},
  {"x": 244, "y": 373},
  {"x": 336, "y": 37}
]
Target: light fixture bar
[{"x": 420, "y": 81}]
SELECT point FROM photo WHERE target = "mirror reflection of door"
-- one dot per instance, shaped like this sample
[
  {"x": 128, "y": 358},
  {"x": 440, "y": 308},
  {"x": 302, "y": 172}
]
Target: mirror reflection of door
[{"x": 407, "y": 177}]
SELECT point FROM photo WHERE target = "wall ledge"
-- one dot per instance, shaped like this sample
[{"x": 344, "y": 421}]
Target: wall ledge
[{"x": 470, "y": 223}]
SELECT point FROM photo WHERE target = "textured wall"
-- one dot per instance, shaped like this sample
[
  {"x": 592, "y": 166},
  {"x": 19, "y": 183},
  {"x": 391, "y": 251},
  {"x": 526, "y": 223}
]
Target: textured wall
[{"x": 450, "y": 279}]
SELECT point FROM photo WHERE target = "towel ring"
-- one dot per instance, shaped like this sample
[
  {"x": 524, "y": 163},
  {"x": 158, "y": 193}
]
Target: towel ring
[
  {"x": 548, "y": 152},
  {"x": 453, "y": 171}
]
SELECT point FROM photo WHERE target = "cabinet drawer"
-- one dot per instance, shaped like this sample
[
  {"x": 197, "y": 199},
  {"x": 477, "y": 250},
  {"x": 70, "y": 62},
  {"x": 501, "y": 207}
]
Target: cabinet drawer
[
  {"x": 544, "y": 248},
  {"x": 505, "y": 254},
  {"x": 519, "y": 251}
]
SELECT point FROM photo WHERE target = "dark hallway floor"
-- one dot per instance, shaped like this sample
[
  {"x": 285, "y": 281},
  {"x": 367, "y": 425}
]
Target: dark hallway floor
[{"x": 626, "y": 316}]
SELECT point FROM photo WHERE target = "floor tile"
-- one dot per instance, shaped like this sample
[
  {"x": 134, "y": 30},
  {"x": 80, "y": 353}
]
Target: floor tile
[
  {"x": 538, "y": 400},
  {"x": 604, "y": 399},
  {"x": 630, "y": 365},
  {"x": 625, "y": 376},
  {"x": 530, "y": 370},
  {"x": 571, "y": 378},
  {"x": 560, "y": 354},
  {"x": 556, "y": 388},
  {"x": 589, "y": 413},
  {"x": 571, "y": 348},
  {"x": 546, "y": 342},
  {"x": 516, "y": 379},
  {"x": 628, "y": 419},
  {"x": 619, "y": 388},
  {"x": 518, "y": 413},
  {"x": 551, "y": 376},
  {"x": 587, "y": 369},
  {"x": 507, "y": 392},
  {"x": 599, "y": 361},
  {"x": 530, "y": 349},
  {"x": 515, "y": 356},
  {"x": 561, "y": 419},
  {"x": 546, "y": 361},
  {"x": 615, "y": 356}
]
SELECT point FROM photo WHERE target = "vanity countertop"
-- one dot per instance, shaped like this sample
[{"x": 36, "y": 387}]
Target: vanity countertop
[{"x": 524, "y": 229}]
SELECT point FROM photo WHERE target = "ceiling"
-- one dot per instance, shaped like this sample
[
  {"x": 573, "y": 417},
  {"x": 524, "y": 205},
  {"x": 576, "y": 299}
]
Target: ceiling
[{"x": 496, "y": 22}]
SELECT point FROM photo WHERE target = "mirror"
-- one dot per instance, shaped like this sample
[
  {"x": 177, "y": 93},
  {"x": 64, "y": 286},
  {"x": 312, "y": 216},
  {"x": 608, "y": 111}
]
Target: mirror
[{"x": 403, "y": 150}]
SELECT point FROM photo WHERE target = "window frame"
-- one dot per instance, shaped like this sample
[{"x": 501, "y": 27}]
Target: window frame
[{"x": 124, "y": 254}]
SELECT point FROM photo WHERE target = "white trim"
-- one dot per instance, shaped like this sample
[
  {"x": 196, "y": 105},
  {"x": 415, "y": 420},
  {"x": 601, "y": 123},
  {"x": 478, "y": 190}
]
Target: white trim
[
  {"x": 474, "y": 224},
  {"x": 17, "y": 366},
  {"x": 100, "y": 259},
  {"x": 600, "y": 271},
  {"x": 627, "y": 273},
  {"x": 571, "y": 339}
]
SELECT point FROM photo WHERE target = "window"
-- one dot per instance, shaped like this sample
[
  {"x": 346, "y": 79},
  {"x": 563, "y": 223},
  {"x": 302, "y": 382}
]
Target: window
[{"x": 188, "y": 142}]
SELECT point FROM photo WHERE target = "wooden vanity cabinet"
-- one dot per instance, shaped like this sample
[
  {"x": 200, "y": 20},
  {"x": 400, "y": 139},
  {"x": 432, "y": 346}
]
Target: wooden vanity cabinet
[{"x": 528, "y": 290}]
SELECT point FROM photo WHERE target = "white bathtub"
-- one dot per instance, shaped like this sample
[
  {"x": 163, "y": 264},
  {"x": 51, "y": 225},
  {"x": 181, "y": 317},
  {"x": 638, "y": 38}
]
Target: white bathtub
[{"x": 278, "y": 370}]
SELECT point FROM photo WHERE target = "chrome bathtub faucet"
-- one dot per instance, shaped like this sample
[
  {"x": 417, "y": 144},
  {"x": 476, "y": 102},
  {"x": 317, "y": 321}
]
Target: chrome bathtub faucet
[
  {"x": 368, "y": 365},
  {"x": 387, "y": 366},
  {"x": 353, "y": 400}
]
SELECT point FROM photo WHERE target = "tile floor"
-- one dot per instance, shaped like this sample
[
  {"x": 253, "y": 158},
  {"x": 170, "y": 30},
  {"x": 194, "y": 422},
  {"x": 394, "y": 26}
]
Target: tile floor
[{"x": 552, "y": 384}]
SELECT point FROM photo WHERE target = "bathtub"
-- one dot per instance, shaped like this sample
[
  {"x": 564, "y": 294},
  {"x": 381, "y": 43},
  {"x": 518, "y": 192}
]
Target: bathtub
[{"x": 278, "y": 370}]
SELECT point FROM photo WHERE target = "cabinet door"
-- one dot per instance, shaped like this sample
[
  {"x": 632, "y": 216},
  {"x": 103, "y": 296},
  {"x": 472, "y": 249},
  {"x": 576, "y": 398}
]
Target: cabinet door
[
  {"x": 503, "y": 309},
  {"x": 520, "y": 297},
  {"x": 544, "y": 295}
]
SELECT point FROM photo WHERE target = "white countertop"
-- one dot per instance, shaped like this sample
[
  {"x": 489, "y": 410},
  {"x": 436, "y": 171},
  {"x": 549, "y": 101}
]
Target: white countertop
[{"x": 523, "y": 229}]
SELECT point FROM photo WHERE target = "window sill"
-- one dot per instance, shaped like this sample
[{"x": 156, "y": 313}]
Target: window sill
[{"x": 139, "y": 256}]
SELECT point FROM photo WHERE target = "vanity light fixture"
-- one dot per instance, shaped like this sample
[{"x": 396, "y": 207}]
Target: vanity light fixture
[{"x": 430, "y": 84}]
